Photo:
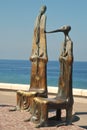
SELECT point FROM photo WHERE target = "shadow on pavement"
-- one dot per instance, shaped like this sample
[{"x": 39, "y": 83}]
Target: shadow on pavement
[{"x": 5, "y": 105}]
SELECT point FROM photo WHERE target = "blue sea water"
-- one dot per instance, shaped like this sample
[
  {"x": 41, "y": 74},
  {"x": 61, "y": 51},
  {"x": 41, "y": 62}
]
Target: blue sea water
[{"x": 18, "y": 71}]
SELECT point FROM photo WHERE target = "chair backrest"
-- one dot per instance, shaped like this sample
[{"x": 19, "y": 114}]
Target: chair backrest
[
  {"x": 66, "y": 66},
  {"x": 39, "y": 59}
]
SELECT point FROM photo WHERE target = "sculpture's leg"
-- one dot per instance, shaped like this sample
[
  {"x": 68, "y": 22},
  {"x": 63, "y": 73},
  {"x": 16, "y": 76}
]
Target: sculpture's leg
[
  {"x": 58, "y": 114},
  {"x": 22, "y": 101},
  {"x": 31, "y": 107},
  {"x": 34, "y": 113},
  {"x": 69, "y": 115},
  {"x": 18, "y": 100},
  {"x": 28, "y": 110},
  {"x": 25, "y": 102},
  {"x": 18, "y": 103},
  {"x": 29, "y": 118},
  {"x": 43, "y": 116},
  {"x": 28, "y": 103}
]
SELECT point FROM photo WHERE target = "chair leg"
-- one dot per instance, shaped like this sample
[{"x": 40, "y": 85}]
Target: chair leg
[
  {"x": 43, "y": 116},
  {"x": 69, "y": 116},
  {"x": 58, "y": 114}
]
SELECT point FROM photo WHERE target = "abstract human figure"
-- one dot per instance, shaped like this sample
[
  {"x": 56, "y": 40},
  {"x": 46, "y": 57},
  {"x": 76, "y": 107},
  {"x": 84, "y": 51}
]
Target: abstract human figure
[
  {"x": 64, "y": 98},
  {"x": 66, "y": 60},
  {"x": 39, "y": 58},
  {"x": 65, "y": 78},
  {"x": 39, "y": 52}
]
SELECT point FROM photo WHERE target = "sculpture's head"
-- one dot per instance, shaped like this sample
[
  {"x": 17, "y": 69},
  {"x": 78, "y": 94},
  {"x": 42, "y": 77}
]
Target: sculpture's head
[
  {"x": 43, "y": 9},
  {"x": 65, "y": 28}
]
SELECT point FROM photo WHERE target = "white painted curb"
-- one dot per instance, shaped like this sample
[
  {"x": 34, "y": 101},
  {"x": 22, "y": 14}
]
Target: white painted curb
[{"x": 53, "y": 90}]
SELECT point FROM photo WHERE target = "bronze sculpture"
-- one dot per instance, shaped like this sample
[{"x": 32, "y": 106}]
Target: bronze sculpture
[
  {"x": 64, "y": 98},
  {"x": 39, "y": 58},
  {"x": 36, "y": 99}
]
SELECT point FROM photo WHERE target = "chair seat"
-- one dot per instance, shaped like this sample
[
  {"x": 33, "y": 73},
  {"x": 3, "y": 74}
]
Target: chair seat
[
  {"x": 50, "y": 101},
  {"x": 31, "y": 92},
  {"x": 20, "y": 92}
]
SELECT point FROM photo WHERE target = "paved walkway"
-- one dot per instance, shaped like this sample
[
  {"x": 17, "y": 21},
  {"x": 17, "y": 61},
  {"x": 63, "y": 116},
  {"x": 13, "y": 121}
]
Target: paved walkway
[{"x": 15, "y": 120}]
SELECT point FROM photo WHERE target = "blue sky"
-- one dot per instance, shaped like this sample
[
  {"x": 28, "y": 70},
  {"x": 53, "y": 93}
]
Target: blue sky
[{"x": 17, "y": 18}]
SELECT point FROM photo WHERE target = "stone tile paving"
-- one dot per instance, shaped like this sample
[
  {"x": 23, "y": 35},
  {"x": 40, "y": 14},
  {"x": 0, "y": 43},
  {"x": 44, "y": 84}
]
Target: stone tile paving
[{"x": 15, "y": 121}]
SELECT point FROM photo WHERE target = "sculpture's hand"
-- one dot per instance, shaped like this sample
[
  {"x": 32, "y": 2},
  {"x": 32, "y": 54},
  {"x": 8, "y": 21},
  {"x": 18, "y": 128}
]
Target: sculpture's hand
[
  {"x": 60, "y": 58},
  {"x": 44, "y": 31}
]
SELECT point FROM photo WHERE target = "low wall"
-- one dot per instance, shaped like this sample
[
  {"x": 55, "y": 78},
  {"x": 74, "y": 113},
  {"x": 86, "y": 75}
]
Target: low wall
[{"x": 51, "y": 90}]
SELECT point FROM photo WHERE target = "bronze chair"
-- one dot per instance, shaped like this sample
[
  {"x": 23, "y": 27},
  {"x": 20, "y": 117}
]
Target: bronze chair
[
  {"x": 64, "y": 98},
  {"x": 39, "y": 58}
]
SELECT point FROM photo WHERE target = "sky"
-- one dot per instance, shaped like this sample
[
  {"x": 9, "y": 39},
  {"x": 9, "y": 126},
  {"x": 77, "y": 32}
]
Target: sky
[{"x": 17, "y": 18}]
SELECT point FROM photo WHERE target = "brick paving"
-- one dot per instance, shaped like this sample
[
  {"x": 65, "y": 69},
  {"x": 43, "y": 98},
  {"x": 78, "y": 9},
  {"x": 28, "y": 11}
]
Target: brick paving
[{"x": 15, "y": 120}]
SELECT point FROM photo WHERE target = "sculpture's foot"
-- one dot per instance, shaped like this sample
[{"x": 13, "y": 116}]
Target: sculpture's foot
[
  {"x": 28, "y": 109},
  {"x": 61, "y": 124},
  {"x": 69, "y": 123},
  {"x": 64, "y": 124},
  {"x": 26, "y": 120},
  {"x": 34, "y": 118},
  {"x": 42, "y": 124},
  {"x": 15, "y": 109}
]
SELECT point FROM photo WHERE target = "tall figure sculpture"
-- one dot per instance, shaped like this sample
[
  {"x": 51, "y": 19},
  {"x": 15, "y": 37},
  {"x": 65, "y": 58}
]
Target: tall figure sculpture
[
  {"x": 64, "y": 98},
  {"x": 39, "y": 58}
]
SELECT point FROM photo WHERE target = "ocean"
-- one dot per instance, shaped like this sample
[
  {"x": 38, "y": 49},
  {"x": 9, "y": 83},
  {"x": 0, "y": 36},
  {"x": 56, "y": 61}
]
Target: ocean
[{"x": 18, "y": 72}]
